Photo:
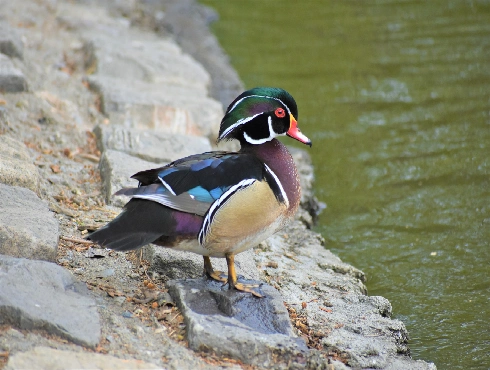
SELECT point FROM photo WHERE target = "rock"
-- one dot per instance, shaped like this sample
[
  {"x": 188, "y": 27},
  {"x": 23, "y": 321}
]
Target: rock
[
  {"x": 41, "y": 358},
  {"x": 174, "y": 264},
  {"x": 188, "y": 21},
  {"x": 149, "y": 59},
  {"x": 130, "y": 76},
  {"x": 149, "y": 106},
  {"x": 409, "y": 364},
  {"x": 12, "y": 80},
  {"x": 144, "y": 81},
  {"x": 238, "y": 325},
  {"x": 16, "y": 167},
  {"x": 105, "y": 273},
  {"x": 10, "y": 42},
  {"x": 27, "y": 228},
  {"x": 302, "y": 160},
  {"x": 311, "y": 207},
  {"x": 126, "y": 152},
  {"x": 56, "y": 302},
  {"x": 116, "y": 168},
  {"x": 149, "y": 145}
]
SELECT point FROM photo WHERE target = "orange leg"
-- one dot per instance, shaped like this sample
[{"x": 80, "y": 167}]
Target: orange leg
[
  {"x": 233, "y": 281},
  {"x": 211, "y": 273}
]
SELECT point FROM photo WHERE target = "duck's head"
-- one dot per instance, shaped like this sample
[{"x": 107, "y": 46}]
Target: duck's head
[{"x": 259, "y": 115}]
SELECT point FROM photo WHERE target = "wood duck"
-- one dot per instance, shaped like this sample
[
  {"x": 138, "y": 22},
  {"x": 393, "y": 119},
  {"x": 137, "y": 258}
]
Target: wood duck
[{"x": 218, "y": 204}]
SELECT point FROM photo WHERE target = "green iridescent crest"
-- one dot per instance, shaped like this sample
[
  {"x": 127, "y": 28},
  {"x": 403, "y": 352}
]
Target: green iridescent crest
[{"x": 252, "y": 104}]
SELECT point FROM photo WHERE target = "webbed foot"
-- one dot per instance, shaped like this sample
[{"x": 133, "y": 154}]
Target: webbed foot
[
  {"x": 234, "y": 282},
  {"x": 248, "y": 288}
]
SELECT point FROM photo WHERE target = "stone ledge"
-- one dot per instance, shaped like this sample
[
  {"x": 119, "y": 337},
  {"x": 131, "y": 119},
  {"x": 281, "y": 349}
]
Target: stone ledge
[
  {"x": 149, "y": 145},
  {"x": 12, "y": 80},
  {"x": 16, "y": 165},
  {"x": 254, "y": 330},
  {"x": 58, "y": 304},
  {"x": 10, "y": 42},
  {"x": 27, "y": 227}
]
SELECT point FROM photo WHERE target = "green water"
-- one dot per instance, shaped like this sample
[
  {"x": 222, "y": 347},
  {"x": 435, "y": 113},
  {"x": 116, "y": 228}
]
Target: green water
[{"x": 396, "y": 98}]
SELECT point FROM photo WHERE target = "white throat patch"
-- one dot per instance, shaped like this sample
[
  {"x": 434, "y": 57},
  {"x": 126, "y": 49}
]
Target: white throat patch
[{"x": 272, "y": 135}]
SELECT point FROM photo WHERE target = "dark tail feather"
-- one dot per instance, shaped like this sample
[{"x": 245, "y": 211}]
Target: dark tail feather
[{"x": 140, "y": 223}]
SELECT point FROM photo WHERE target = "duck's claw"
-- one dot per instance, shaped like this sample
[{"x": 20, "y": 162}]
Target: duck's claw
[
  {"x": 231, "y": 279},
  {"x": 214, "y": 274},
  {"x": 218, "y": 276},
  {"x": 249, "y": 288}
]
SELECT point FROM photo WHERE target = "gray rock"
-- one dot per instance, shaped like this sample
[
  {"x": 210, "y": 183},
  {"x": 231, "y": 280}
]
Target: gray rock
[
  {"x": 116, "y": 168},
  {"x": 311, "y": 207},
  {"x": 149, "y": 145},
  {"x": 105, "y": 273},
  {"x": 149, "y": 106},
  {"x": 10, "y": 42},
  {"x": 50, "y": 299},
  {"x": 16, "y": 167},
  {"x": 238, "y": 325},
  {"x": 27, "y": 227},
  {"x": 122, "y": 51},
  {"x": 144, "y": 81},
  {"x": 42, "y": 358},
  {"x": 149, "y": 59},
  {"x": 409, "y": 364},
  {"x": 12, "y": 80},
  {"x": 302, "y": 160},
  {"x": 188, "y": 21},
  {"x": 174, "y": 264}
]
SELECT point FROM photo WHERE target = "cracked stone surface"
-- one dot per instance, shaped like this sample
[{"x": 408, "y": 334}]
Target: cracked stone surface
[{"x": 331, "y": 295}]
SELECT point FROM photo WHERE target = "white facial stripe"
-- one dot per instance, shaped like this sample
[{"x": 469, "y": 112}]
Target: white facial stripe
[
  {"x": 166, "y": 185},
  {"x": 217, "y": 203},
  {"x": 259, "y": 96},
  {"x": 286, "y": 200},
  {"x": 238, "y": 123}
]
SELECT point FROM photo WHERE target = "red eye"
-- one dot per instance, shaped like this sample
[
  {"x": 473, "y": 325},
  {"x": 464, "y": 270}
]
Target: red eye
[{"x": 280, "y": 113}]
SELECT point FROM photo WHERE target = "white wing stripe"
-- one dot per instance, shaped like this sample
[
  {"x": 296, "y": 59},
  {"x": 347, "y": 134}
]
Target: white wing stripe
[
  {"x": 166, "y": 185},
  {"x": 217, "y": 203},
  {"x": 286, "y": 200}
]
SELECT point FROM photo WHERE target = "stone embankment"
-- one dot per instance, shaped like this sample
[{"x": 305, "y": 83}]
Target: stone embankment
[{"x": 92, "y": 92}]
